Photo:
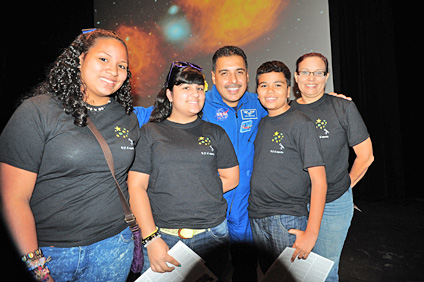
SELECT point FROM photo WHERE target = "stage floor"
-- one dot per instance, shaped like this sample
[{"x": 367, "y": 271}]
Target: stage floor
[{"x": 385, "y": 242}]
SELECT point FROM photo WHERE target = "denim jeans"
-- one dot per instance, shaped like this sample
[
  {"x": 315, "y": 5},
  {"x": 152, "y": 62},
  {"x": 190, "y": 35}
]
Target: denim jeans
[
  {"x": 333, "y": 231},
  {"x": 211, "y": 245},
  {"x": 271, "y": 236},
  {"x": 106, "y": 260}
]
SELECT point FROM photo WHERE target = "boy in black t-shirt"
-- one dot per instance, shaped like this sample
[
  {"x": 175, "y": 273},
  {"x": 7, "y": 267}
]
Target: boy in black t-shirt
[{"x": 287, "y": 163}]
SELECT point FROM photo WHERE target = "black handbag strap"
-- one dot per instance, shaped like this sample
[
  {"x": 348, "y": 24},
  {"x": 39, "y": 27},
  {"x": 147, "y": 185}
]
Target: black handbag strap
[{"x": 129, "y": 216}]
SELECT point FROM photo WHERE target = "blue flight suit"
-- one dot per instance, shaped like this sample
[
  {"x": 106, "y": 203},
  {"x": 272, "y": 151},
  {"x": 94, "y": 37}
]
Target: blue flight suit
[
  {"x": 143, "y": 114},
  {"x": 241, "y": 125}
]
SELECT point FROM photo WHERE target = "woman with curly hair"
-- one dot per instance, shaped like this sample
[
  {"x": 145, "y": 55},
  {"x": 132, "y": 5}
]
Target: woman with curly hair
[{"x": 58, "y": 196}]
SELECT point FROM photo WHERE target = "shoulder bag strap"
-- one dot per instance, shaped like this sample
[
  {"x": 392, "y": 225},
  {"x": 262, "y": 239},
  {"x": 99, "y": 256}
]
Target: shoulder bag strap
[{"x": 129, "y": 216}]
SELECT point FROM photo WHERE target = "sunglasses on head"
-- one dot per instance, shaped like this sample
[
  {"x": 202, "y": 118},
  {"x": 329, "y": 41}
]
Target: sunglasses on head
[
  {"x": 181, "y": 65},
  {"x": 88, "y": 30}
]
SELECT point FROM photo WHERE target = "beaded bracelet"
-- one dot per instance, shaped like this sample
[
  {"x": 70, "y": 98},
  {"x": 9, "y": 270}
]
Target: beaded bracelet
[
  {"x": 33, "y": 255},
  {"x": 38, "y": 268},
  {"x": 36, "y": 264},
  {"x": 146, "y": 241}
]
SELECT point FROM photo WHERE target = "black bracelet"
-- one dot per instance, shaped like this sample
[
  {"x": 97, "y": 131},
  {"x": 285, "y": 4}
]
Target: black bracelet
[{"x": 150, "y": 238}]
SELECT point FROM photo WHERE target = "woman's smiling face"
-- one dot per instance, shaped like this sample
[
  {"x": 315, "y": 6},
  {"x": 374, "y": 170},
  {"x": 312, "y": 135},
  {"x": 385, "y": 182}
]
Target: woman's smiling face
[
  {"x": 103, "y": 70},
  {"x": 187, "y": 101},
  {"x": 311, "y": 86}
]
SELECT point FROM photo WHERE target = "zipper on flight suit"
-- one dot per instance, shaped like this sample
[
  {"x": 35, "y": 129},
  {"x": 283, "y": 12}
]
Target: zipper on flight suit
[{"x": 237, "y": 129}]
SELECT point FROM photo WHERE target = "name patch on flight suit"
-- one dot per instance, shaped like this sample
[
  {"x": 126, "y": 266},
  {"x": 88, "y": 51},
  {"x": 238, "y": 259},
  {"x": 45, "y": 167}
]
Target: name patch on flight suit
[{"x": 249, "y": 114}]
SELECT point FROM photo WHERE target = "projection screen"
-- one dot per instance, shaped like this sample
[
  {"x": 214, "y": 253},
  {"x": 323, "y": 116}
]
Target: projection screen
[{"x": 159, "y": 32}]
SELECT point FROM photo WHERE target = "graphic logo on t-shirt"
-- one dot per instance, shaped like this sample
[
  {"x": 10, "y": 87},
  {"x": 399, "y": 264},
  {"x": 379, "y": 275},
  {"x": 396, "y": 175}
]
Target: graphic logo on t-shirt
[
  {"x": 124, "y": 133},
  {"x": 321, "y": 124},
  {"x": 277, "y": 137},
  {"x": 121, "y": 132},
  {"x": 206, "y": 141},
  {"x": 222, "y": 114}
]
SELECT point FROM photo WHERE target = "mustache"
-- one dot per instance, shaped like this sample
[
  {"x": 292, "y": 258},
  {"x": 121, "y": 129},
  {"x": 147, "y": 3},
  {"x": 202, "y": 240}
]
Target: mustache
[{"x": 233, "y": 85}]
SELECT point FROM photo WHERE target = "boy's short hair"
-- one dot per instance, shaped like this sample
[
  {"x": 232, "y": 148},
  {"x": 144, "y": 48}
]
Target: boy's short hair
[{"x": 273, "y": 66}]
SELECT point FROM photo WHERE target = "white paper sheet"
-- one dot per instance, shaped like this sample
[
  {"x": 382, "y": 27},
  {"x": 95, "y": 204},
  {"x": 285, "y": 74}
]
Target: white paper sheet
[
  {"x": 314, "y": 269},
  {"x": 192, "y": 268}
]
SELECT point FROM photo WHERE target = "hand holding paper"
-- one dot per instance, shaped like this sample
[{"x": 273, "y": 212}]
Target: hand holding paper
[
  {"x": 192, "y": 267},
  {"x": 313, "y": 269},
  {"x": 159, "y": 257},
  {"x": 303, "y": 245}
]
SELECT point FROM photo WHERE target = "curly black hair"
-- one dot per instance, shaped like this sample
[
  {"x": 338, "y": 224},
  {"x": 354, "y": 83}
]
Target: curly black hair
[{"x": 63, "y": 79}]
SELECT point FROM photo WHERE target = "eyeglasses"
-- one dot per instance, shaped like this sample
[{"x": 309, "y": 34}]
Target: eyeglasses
[
  {"x": 318, "y": 73},
  {"x": 181, "y": 65}
]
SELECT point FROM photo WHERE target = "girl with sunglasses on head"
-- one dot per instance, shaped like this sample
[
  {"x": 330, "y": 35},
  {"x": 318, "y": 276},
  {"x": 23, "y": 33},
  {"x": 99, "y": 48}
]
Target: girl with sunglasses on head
[
  {"x": 58, "y": 195},
  {"x": 182, "y": 168}
]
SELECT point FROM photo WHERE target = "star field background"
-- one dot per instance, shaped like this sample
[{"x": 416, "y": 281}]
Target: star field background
[{"x": 159, "y": 32}]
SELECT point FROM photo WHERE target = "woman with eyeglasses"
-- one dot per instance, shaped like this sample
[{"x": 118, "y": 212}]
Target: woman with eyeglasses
[
  {"x": 182, "y": 168},
  {"x": 59, "y": 198},
  {"x": 339, "y": 126}
]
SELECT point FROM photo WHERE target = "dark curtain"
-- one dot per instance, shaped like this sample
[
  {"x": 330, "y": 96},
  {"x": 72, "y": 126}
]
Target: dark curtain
[
  {"x": 32, "y": 38},
  {"x": 33, "y": 34},
  {"x": 366, "y": 67}
]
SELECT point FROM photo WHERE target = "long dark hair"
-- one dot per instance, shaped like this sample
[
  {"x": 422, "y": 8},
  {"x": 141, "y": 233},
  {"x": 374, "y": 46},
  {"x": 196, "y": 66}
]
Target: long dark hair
[
  {"x": 176, "y": 76},
  {"x": 63, "y": 79}
]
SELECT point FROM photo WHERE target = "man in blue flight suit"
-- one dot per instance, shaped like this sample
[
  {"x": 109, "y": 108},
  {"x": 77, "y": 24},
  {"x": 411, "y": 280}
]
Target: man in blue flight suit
[{"x": 239, "y": 112}]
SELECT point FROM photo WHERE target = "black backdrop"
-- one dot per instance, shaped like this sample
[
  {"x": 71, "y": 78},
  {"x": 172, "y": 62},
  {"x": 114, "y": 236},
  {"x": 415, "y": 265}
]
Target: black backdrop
[
  {"x": 370, "y": 43},
  {"x": 367, "y": 65}
]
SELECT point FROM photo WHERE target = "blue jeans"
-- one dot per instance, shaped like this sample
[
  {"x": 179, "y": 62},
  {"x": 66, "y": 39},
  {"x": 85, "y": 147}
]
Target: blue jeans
[
  {"x": 333, "y": 231},
  {"x": 271, "y": 236},
  {"x": 211, "y": 245},
  {"x": 106, "y": 260}
]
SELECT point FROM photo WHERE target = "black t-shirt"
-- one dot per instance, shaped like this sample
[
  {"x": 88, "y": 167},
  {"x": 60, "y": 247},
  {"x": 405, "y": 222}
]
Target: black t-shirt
[
  {"x": 182, "y": 160},
  {"x": 75, "y": 202},
  {"x": 285, "y": 146},
  {"x": 339, "y": 125}
]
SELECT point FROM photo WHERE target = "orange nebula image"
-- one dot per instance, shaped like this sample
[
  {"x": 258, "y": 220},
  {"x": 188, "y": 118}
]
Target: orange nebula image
[
  {"x": 192, "y": 29},
  {"x": 219, "y": 23},
  {"x": 144, "y": 56}
]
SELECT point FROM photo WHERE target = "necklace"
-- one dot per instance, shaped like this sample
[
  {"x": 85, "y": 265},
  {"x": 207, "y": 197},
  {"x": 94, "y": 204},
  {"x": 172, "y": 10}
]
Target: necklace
[{"x": 96, "y": 108}]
